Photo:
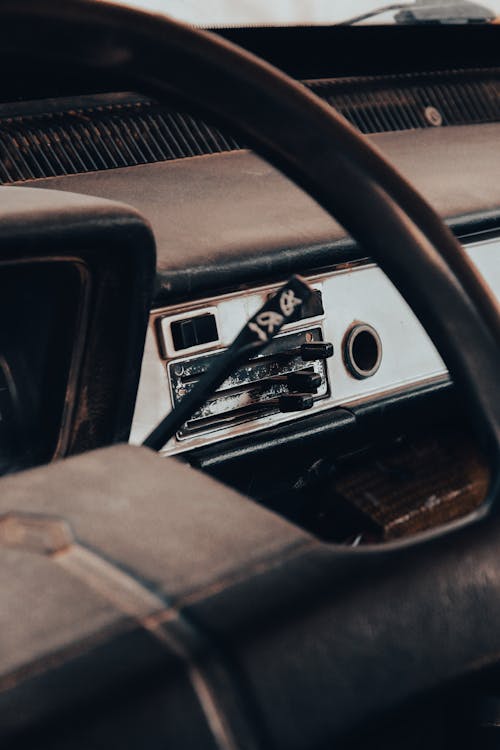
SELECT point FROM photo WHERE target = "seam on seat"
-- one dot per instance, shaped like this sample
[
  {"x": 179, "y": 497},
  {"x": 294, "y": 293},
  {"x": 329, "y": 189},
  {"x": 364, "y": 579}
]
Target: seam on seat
[{"x": 52, "y": 537}]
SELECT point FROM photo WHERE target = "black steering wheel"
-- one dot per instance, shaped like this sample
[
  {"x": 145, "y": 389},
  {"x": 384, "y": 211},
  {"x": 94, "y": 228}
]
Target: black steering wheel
[{"x": 375, "y": 626}]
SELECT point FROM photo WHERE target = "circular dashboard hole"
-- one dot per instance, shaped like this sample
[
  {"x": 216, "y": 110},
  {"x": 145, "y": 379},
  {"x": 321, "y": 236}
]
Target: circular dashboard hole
[{"x": 363, "y": 351}]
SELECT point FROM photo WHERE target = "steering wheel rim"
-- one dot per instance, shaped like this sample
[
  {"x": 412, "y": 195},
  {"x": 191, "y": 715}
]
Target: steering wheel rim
[{"x": 434, "y": 274}]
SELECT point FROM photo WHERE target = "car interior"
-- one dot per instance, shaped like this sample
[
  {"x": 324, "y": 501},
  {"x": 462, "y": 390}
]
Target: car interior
[{"x": 250, "y": 451}]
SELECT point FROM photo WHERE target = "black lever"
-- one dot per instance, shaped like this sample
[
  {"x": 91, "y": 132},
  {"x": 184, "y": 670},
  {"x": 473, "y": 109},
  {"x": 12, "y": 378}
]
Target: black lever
[
  {"x": 292, "y": 402},
  {"x": 301, "y": 381},
  {"x": 316, "y": 350},
  {"x": 281, "y": 308}
]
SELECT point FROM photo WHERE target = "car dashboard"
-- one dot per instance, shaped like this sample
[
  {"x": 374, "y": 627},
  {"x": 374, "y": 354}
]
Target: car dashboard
[
  {"x": 379, "y": 349},
  {"x": 229, "y": 229}
]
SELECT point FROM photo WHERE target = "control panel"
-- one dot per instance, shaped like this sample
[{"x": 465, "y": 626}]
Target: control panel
[
  {"x": 355, "y": 340},
  {"x": 289, "y": 376}
]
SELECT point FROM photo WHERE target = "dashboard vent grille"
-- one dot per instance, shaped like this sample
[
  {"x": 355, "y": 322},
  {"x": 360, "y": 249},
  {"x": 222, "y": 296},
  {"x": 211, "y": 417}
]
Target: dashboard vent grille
[
  {"x": 87, "y": 134},
  {"x": 104, "y": 132},
  {"x": 392, "y": 103}
]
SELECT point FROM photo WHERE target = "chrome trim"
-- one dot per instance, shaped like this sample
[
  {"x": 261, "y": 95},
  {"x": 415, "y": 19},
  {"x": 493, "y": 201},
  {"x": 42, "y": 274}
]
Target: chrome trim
[{"x": 348, "y": 351}]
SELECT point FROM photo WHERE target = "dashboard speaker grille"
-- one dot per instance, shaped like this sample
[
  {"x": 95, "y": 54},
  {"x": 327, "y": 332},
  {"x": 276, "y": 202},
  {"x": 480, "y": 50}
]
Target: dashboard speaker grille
[{"x": 87, "y": 134}]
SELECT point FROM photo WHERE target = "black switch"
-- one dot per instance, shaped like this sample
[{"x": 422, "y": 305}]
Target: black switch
[
  {"x": 189, "y": 332},
  {"x": 183, "y": 334},
  {"x": 303, "y": 381},
  {"x": 205, "y": 329},
  {"x": 295, "y": 402},
  {"x": 316, "y": 350}
]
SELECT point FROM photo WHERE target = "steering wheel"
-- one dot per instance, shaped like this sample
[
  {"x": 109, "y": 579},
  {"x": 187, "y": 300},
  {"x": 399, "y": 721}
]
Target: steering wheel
[{"x": 374, "y": 625}]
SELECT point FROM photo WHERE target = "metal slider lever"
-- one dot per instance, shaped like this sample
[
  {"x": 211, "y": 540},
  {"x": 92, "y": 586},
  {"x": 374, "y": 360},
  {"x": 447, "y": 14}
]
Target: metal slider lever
[
  {"x": 315, "y": 350},
  {"x": 310, "y": 352},
  {"x": 283, "y": 307},
  {"x": 302, "y": 381},
  {"x": 290, "y": 402}
]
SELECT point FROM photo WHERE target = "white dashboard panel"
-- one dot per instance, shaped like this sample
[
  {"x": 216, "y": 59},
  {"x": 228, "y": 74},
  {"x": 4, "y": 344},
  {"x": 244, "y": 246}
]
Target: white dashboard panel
[{"x": 356, "y": 294}]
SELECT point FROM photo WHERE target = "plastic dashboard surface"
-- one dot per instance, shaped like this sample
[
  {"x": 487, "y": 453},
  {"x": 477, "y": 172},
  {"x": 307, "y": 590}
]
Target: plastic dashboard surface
[{"x": 352, "y": 295}]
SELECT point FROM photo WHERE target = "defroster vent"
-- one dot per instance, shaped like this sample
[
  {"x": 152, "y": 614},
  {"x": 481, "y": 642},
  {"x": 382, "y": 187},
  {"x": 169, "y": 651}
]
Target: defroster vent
[
  {"x": 87, "y": 134},
  {"x": 405, "y": 102}
]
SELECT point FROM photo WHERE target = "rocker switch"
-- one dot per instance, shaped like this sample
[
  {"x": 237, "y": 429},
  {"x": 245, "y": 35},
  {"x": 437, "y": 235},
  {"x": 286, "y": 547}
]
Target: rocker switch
[{"x": 189, "y": 332}]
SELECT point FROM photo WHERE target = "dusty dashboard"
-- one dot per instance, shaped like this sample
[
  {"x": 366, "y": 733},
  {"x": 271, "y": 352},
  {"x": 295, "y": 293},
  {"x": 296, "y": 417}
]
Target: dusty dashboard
[{"x": 358, "y": 341}]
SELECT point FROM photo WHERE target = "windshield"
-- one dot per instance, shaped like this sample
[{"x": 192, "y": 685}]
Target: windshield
[{"x": 322, "y": 12}]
